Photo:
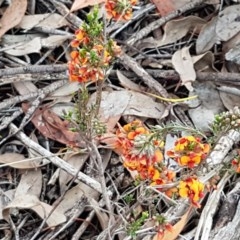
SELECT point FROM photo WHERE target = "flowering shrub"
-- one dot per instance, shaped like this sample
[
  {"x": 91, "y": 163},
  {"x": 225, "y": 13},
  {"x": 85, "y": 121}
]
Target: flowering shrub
[
  {"x": 189, "y": 151},
  {"x": 92, "y": 53},
  {"x": 141, "y": 151},
  {"x": 120, "y": 9}
]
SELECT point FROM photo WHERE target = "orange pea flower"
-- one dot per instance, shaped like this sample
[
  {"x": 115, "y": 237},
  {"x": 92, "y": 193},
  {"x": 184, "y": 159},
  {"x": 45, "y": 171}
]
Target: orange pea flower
[
  {"x": 191, "y": 188},
  {"x": 81, "y": 37},
  {"x": 189, "y": 151},
  {"x": 139, "y": 151}
]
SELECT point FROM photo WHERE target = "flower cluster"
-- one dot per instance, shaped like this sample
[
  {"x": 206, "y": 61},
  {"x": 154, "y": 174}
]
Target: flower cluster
[
  {"x": 191, "y": 188},
  {"x": 141, "y": 152},
  {"x": 189, "y": 151},
  {"x": 119, "y": 9},
  {"x": 92, "y": 53}
]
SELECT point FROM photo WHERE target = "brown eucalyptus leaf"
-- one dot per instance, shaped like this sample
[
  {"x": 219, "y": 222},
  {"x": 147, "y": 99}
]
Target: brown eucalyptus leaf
[
  {"x": 53, "y": 127},
  {"x": 178, "y": 28},
  {"x": 164, "y": 7},
  {"x": 13, "y": 15},
  {"x": 28, "y": 201},
  {"x": 79, "y": 4}
]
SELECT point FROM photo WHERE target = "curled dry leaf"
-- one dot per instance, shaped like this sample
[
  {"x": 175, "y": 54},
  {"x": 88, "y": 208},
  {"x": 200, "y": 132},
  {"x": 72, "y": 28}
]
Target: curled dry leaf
[
  {"x": 183, "y": 64},
  {"x": 204, "y": 62},
  {"x": 53, "y": 127},
  {"x": 52, "y": 20},
  {"x": 176, "y": 29},
  {"x": 228, "y": 24},
  {"x": 27, "y": 201},
  {"x": 79, "y": 4},
  {"x": 13, "y": 15}
]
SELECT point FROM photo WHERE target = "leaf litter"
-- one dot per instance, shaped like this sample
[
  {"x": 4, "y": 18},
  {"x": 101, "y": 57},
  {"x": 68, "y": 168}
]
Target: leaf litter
[{"x": 198, "y": 41}]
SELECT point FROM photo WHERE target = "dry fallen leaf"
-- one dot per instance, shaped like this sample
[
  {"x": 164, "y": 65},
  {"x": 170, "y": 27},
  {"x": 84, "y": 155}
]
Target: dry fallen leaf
[
  {"x": 164, "y": 7},
  {"x": 53, "y": 127},
  {"x": 79, "y": 4},
  {"x": 27, "y": 201},
  {"x": 73, "y": 196},
  {"x": 52, "y": 20},
  {"x": 207, "y": 37},
  {"x": 204, "y": 62},
  {"x": 30, "y": 183},
  {"x": 13, "y": 15},
  {"x": 36, "y": 44},
  {"x": 76, "y": 160},
  {"x": 18, "y": 161},
  {"x": 127, "y": 83},
  {"x": 229, "y": 100},
  {"x": 183, "y": 64},
  {"x": 178, "y": 28},
  {"x": 117, "y": 103},
  {"x": 208, "y": 104},
  {"x": 228, "y": 24}
]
